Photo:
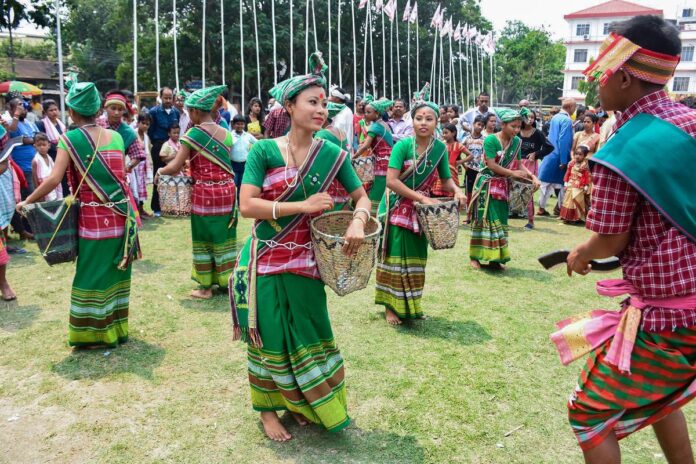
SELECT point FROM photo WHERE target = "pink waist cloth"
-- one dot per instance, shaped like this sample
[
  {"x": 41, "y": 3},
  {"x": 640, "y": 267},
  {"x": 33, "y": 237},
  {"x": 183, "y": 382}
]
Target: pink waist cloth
[{"x": 579, "y": 335}]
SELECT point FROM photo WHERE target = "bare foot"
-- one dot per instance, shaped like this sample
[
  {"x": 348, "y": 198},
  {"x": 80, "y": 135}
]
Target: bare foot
[
  {"x": 202, "y": 293},
  {"x": 475, "y": 264},
  {"x": 496, "y": 266},
  {"x": 300, "y": 419},
  {"x": 392, "y": 318},
  {"x": 273, "y": 428},
  {"x": 7, "y": 293}
]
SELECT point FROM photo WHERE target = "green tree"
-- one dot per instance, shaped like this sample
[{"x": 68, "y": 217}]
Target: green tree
[
  {"x": 530, "y": 64},
  {"x": 13, "y": 12}
]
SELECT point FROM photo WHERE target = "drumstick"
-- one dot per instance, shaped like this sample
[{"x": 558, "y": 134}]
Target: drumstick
[{"x": 558, "y": 257}]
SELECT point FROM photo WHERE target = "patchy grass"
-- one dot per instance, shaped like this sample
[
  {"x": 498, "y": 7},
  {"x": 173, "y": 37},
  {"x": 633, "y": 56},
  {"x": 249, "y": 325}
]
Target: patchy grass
[{"x": 441, "y": 391}]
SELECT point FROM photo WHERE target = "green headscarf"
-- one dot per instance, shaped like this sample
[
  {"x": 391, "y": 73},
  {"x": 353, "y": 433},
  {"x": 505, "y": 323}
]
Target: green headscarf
[
  {"x": 507, "y": 115},
  {"x": 422, "y": 99},
  {"x": 83, "y": 98},
  {"x": 380, "y": 106},
  {"x": 182, "y": 93},
  {"x": 285, "y": 90},
  {"x": 334, "y": 109},
  {"x": 204, "y": 99},
  {"x": 525, "y": 112}
]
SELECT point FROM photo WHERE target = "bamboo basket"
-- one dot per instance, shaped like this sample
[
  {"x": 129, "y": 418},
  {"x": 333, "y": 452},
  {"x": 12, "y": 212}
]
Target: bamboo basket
[{"x": 439, "y": 222}]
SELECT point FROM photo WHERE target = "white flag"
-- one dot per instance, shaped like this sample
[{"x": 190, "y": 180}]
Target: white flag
[
  {"x": 414, "y": 13},
  {"x": 407, "y": 11},
  {"x": 457, "y": 32},
  {"x": 379, "y": 4},
  {"x": 390, "y": 9},
  {"x": 436, "y": 18},
  {"x": 362, "y": 4}
]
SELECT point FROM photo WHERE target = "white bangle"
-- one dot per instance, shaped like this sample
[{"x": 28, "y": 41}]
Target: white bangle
[
  {"x": 275, "y": 214},
  {"x": 361, "y": 210}
]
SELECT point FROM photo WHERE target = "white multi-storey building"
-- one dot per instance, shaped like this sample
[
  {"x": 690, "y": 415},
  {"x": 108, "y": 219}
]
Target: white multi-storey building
[{"x": 589, "y": 27}]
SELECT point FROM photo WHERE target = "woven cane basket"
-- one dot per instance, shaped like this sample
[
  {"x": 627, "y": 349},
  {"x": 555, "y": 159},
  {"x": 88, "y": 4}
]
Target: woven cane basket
[
  {"x": 175, "y": 195},
  {"x": 46, "y": 221},
  {"x": 439, "y": 222},
  {"x": 365, "y": 168},
  {"x": 344, "y": 274}
]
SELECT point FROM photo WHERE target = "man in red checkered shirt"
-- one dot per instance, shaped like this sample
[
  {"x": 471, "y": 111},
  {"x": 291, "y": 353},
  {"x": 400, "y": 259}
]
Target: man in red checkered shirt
[{"x": 642, "y": 212}]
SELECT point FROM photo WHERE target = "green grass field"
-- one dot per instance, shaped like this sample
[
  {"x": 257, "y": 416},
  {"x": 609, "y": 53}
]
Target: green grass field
[{"x": 444, "y": 390}]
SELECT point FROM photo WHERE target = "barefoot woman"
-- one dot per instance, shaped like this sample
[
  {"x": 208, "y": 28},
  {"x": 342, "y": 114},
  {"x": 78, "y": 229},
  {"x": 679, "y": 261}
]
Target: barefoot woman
[
  {"x": 213, "y": 227},
  {"x": 95, "y": 161},
  {"x": 413, "y": 168},
  {"x": 278, "y": 300}
]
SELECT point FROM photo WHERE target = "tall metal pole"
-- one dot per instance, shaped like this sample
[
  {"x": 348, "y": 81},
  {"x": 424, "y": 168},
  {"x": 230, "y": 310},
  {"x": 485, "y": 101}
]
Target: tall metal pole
[
  {"x": 329, "y": 30},
  {"x": 157, "y": 45},
  {"x": 135, "y": 46},
  {"x": 340, "y": 68},
  {"x": 275, "y": 56},
  {"x": 384, "y": 59},
  {"x": 355, "y": 52},
  {"x": 306, "y": 37},
  {"x": 203, "y": 48},
  {"x": 258, "y": 62},
  {"x": 408, "y": 55},
  {"x": 366, "y": 37},
  {"x": 391, "y": 62},
  {"x": 398, "y": 53},
  {"x": 222, "y": 38},
  {"x": 176, "y": 52},
  {"x": 417, "y": 54},
  {"x": 292, "y": 44},
  {"x": 241, "y": 51},
  {"x": 59, "y": 43}
]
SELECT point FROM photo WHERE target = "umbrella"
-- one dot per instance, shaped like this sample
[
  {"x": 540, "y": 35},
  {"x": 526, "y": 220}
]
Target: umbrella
[{"x": 25, "y": 89}]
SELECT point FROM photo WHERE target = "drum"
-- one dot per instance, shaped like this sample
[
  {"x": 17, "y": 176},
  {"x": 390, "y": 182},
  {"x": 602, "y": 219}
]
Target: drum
[
  {"x": 54, "y": 224},
  {"x": 343, "y": 274},
  {"x": 439, "y": 222},
  {"x": 175, "y": 195},
  {"x": 365, "y": 168},
  {"x": 521, "y": 193}
]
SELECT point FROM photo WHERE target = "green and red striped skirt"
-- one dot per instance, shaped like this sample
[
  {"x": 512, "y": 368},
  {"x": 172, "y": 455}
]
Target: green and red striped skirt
[{"x": 662, "y": 380}]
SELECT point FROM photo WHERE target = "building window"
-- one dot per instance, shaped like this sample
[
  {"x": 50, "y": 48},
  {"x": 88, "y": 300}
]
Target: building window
[
  {"x": 606, "y": 28},
  {"x": 575, "y": 82},
  {"x": 580, "y": 55},
  {"x": 681, "y": 84},
  {"x": 687, "y": 53},
  {"x": 687, "y": 12},
  {"x": 582, "y": 29}
]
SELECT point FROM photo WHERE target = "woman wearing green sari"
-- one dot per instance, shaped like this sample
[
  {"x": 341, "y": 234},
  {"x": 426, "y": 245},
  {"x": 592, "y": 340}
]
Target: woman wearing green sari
[
  {"x": 379, "y": 143},
  {"x": 416, "y": 163},
  {"x": 213, "y": 219},
  {"x": 336, "y": 136},
  {"x": 488, "y": 208},
  {"x": 277, "y": 296},
  {"x": 107, "y": 226}
]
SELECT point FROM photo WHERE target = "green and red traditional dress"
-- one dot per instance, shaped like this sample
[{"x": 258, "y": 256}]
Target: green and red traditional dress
[
  {"x": 488, "y": 208},
  {"x": 213, "y": 215},
  {"x": 381, "y": 148},
  {"x": 339, "y": 194},
  {"x": 277, "y": 296},
  {"x": 401, "y": 270},
  {"x": 108, "y": 240}
]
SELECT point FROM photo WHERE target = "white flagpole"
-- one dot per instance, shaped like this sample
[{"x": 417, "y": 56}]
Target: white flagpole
[
  {"x": 367, "y": 37},
  {"x": 292, "y": 43},
  {"x": 391, "y": 62},
  {"x": 453, "y": 75},
  {"x": 408, "y": 55},
  {"x": 222, "y": 38},
  {"x": 135, "y": 48},
  {"x": 482, "y": 76},
  {"x": 306, "y": 37},
  {"x": 490, "y": 60},
  {"x": 275, "y": 55},
  {"x": 241, "y": 51},
  {"x": 417, "y": 55},
  {"x": 495, "y": 83},
  {"x": 329, "y": 30},
  {"x": 442, "y": 89},
  {"x": 203, "y": 48},
  {"x": 59, "y": 43},
  {"x": 355, "y": 50},
  {"x": 461, "y": 75},
  {"x": 471, "y": 69},
  {"x": 433, "y": 65},
  {"x": 340, "y": 68},
  {"x": 258, "y": 62},
  {"x": 176, "y": 51},
  {"x": 384, "y": 58},
  {"x": 314, "y": 26},
  {"x": 398, "y": 57},
  {"x": 157, "y": 45},
  {"x": 373, "y": 78}
]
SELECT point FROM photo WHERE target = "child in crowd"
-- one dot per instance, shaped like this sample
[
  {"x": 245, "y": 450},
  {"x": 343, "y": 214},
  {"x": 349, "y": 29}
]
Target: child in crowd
[
  {"x": 489, "y": 125},
  {"x": 473, "y": 144},
  {"x": 171, "y": 148},
  {"x": 577, "y": 184},
  {"x": 42, "y": 165},
  {"x": 454, "y": 153},
  {"x": 241, "y": 144}
]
